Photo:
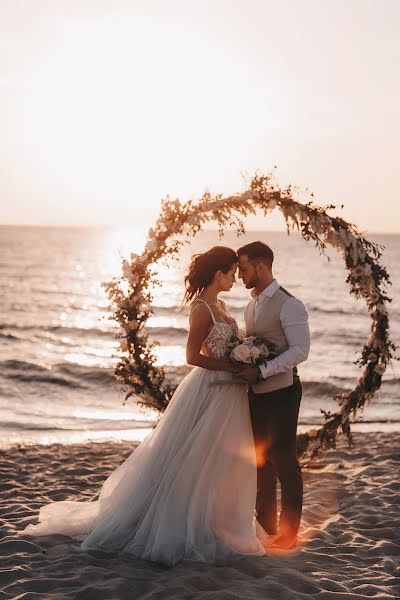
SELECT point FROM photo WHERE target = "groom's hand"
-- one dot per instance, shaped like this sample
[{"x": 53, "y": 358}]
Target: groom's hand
[{"x": 250, "y": 374}]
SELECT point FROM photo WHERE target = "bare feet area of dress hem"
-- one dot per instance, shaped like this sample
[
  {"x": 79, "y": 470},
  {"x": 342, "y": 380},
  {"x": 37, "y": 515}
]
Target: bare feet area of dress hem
[{"x": 350, "y": 532}]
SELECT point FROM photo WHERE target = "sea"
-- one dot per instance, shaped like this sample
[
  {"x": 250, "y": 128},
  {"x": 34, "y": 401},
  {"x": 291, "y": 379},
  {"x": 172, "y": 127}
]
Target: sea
[{"x": 58, "y": 339}]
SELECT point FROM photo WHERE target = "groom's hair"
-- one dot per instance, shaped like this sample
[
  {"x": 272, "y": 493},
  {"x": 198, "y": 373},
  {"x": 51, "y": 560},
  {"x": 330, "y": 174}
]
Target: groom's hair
[{"x": 258, "y": 251}]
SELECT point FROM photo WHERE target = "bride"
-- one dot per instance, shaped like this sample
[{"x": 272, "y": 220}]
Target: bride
[{"x": 188, "y": 491}]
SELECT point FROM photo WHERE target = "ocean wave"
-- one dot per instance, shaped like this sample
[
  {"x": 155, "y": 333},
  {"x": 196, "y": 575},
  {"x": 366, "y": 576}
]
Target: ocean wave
[
  {"x": 9, "y": 336},
  {"x": 81, "y": 331},
  {"x": 322, "y": 388},
  {"x": 160, "y": 310},
  {"x": 15, "y": 364},
  {"x": 357, "y": 313},
  {"x": 73, "y": 375},
  {"x": 17, "y": 425},
  {"x": 325, "y": 389},
  {"x": 98, "y": 375},
  {"x": 58, "y": 329},
  {"x": 169, "y": 331},
  {"x": 42, "y": 379},
  {"x": 344, "y": 338},
  {"x": 80, "y": 425},
  {"x": 63, "y": 374},
  {"x": 336, "y": 311}
]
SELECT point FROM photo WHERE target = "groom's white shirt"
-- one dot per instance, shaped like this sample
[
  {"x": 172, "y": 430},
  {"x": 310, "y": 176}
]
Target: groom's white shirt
[{"x": 294, "y": 320}]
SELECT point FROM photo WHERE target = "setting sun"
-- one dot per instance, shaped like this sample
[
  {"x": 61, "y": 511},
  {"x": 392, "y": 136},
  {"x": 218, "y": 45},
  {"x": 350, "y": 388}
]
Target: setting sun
[{"x": 124, "y": 111}]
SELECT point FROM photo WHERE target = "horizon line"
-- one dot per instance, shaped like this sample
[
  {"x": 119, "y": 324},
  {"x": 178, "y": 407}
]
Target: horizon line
[{"x": 121, "y": 225}]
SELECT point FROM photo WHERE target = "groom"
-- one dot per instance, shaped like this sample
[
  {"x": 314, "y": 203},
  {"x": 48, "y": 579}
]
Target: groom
[{"x": 275, "y": 392}]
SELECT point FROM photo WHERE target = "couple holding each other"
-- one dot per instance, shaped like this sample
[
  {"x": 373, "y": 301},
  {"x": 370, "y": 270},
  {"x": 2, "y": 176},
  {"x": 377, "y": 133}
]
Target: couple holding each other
[{"x": 202, "y": 485}]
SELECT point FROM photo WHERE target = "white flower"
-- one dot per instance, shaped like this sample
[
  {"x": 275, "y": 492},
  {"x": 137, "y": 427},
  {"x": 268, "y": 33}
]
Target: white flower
[
  {"x": 133, "y": 279},
  {"x": 242, "y": 353},
  {"x": 362, "y": 254},
  {"x": 132, "y": 302},
  {"x": 382, "y": 308},
  {"x": 192, "y": 219},
  {"x": 123, "y": 345},
  {"x": 367, "y": 270},
  {"x": 126, "y": 269},
  {"x": 331, "y": 237},
  {"x": 318, "y": 223},
  {"x": 255, "y": 352},
  {"x": 354, "y": 255},
  {"x": 364, "y": 272},
  {"x": 122, "y": 302},
  {"x": 344, "y": 236},
  {"x": 247, "y": 194},
  {"x": 151, "y": 245},
  {"x": 380, "y": 368},
  {"x": 272, "y": 203},
  {"x": 162, "y": 228},
  {"x": 131, "y": 326},
  {"x": 374, "y": 297},
  {"x": 358, "y": 271}
]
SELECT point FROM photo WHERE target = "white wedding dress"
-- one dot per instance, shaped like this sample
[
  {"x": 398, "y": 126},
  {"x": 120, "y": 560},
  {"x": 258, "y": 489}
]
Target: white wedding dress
[{"x": 188, "y": 491}]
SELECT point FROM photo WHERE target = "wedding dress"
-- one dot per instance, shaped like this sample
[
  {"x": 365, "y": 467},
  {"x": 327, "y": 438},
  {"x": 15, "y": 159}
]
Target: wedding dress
[{"x": 188, "y": 491}]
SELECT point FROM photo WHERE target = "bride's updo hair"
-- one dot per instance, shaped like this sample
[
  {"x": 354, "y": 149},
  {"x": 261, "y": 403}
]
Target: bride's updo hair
[{"x": 203, "y": 268}]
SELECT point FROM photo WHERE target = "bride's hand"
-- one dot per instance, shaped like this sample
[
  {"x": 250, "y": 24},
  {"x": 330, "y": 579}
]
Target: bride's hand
[{"x": 233, "y": 368}]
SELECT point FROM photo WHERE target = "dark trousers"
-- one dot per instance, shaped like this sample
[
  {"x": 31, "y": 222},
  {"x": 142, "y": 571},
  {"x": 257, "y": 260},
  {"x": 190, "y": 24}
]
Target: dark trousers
[{"x": 274, "y": 421}]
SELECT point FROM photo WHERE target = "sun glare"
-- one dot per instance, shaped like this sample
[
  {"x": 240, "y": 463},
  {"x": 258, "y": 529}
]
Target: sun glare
[{"x": 126, "y": 111}]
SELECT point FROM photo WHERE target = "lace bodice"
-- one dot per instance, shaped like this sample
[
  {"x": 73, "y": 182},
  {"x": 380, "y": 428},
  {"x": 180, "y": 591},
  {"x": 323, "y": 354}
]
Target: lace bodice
[
  {"x": 220, "y": 334},
  {"x": 218, "y": 338}
]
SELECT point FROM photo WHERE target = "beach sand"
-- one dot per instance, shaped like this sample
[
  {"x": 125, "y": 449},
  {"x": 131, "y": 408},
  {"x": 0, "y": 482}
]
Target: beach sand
[{"x": 350, "y": 531}]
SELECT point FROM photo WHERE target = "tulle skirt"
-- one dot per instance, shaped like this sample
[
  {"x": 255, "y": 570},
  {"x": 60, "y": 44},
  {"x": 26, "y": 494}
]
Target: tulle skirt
[{"x": 187, "y": 492}]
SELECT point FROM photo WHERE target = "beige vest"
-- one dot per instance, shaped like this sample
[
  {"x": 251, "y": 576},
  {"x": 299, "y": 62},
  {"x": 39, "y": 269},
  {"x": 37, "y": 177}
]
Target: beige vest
[{"x": 268, "y": 325}]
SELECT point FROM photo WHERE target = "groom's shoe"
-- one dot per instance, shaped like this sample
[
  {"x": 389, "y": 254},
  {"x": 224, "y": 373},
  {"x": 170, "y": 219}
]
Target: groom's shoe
[{"x": 284, "y": 542}]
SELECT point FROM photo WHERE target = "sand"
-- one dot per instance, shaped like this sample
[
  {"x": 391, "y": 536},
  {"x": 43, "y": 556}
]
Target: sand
[{"x": 350, "y": 532}]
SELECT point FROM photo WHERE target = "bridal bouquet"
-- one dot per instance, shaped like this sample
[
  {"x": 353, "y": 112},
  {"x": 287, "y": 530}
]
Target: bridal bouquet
[{"x": 251, "y": 350}]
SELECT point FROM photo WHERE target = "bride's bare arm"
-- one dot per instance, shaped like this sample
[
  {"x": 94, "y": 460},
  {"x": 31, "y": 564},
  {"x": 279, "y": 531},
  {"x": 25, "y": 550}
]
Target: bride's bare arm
[{"x": 200, "y": 326}]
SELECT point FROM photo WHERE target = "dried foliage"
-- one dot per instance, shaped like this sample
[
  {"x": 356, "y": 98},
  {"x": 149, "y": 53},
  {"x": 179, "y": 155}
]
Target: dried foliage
[{"x": 366, "y": 277}]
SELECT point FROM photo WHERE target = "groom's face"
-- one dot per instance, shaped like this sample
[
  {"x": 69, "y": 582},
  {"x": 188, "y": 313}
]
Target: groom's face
[{"x": 247, "y": 272}]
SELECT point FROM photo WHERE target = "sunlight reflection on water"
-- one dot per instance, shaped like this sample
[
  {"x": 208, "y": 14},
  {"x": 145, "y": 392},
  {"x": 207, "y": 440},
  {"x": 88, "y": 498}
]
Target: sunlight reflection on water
[
  {"x": 75, "y": 437},
  {"x": 114, "y": 414},
  {"x": 170, "y": 355},
  {"x": 58, "y": 344}
]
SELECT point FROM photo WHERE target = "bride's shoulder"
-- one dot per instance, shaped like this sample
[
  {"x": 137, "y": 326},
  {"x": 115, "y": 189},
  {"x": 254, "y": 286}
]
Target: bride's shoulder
[
  {"x": 223, "y": 304},
  {"x": 199, "y": 307}
]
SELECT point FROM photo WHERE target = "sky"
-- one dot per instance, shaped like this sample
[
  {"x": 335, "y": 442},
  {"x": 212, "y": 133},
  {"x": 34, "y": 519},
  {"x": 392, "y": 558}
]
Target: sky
[{"x": 108, "y": 106}]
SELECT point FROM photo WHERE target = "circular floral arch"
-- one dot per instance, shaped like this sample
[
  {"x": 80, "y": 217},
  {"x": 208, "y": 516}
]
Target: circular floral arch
[{"x": 131, "y": 294}]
